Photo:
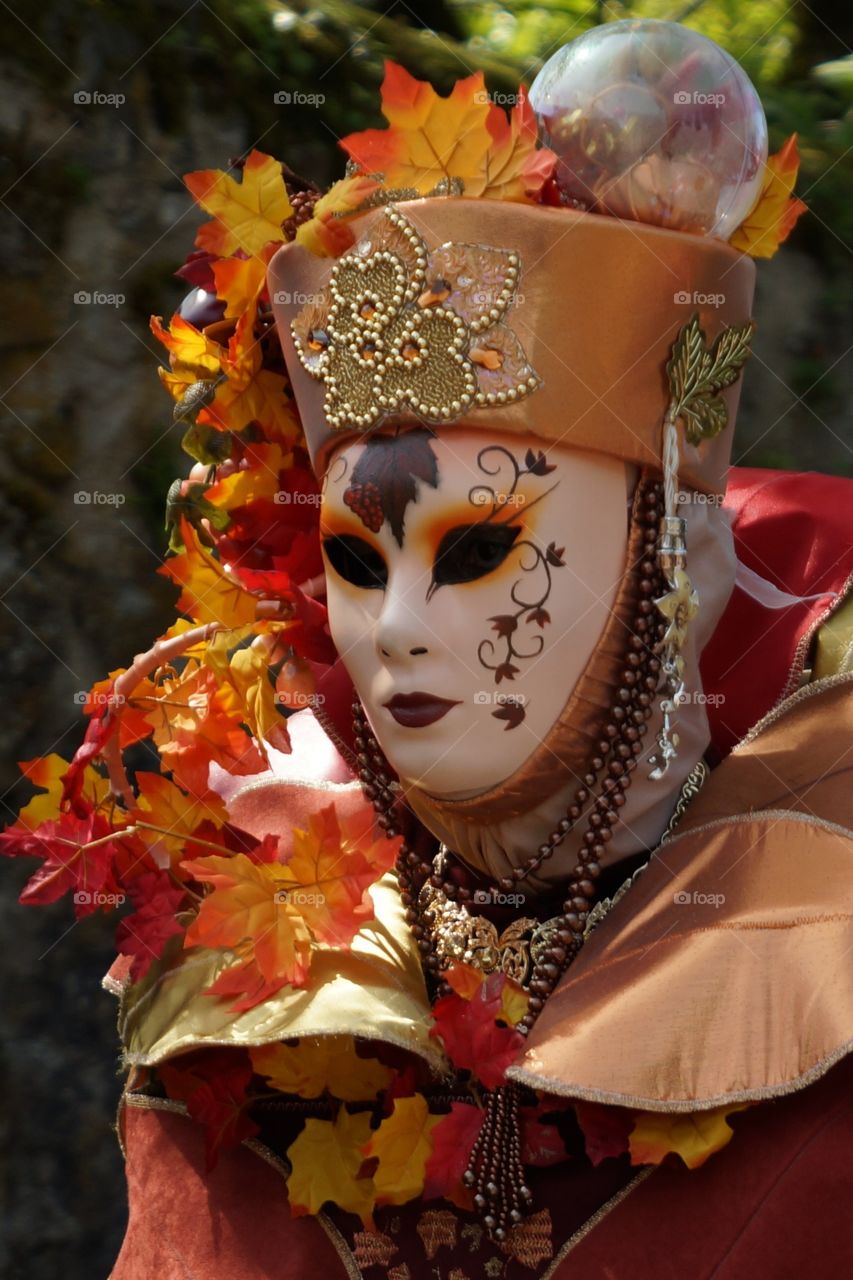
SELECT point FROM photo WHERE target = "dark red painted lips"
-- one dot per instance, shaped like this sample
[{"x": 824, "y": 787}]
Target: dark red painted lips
[{"x": 414, "y": 710}]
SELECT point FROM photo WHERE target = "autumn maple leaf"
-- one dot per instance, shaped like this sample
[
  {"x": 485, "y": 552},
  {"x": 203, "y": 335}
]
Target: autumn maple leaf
[
  {"x": 453, "y": 1139},
  {"x": 249, "y": 914},
  {"x": 46, "y": 773},
  {"x": 403, "y": 1145},
  {"x": 605, "y": 1129},
  {"x": 247, "y": 215},
  {"x": 214, "y": 1089},
  {"x": 78, "y": 855},
  {"x": 325, "y": 1160},
  {"x": 145, "y": 932},
  {"x": 210, "y": 593},
  {"x": 321, "y": 1064},
  {"x": 250, "y": 393},
  {"x": 327, "y": 233},
  {"x": 695, "y": 1137},
  {"x": 776, "y": 210},
  {"x": 463, "y": 136},
  {"x": 331, "y": 868},
  {"x": 198, "y": 721},
  {"x": 470, "y": 1031},
  {"x": 173, "y": 813}
]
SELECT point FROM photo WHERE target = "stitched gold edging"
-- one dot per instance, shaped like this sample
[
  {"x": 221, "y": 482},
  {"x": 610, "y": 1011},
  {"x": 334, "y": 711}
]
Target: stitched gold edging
[
  {"x": 756, "y": 815},
  {"x": 811, "y": 690},
  {"x": 597, "y": 1217},
  {"x": 281, "y": 1166}
]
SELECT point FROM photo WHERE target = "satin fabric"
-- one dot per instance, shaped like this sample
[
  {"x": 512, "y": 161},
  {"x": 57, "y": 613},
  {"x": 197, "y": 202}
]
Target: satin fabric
[
  {"x": 744, "y": 999},
  {"x": 598, "y": 306}
]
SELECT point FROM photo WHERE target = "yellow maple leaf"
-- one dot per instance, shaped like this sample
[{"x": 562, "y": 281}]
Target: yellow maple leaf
[
  {"x": 192, "y": 356},
  {"x": 249, "y": 674},
  {"x": 403, "y": 1144},
  {"x": 325, "y": 1159},
  {"x": 209, "y": 593},
  {"x": 247, "y": 215},
  {"x": 776, "y": 210},
  {"x": 694, "y": 1137},
  {"x": 258, "y": 480},
  {"x": 322, "y": 1063}
]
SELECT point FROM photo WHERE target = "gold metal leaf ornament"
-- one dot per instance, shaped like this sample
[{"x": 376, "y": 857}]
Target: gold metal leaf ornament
[{"x": 697, "y": 374}]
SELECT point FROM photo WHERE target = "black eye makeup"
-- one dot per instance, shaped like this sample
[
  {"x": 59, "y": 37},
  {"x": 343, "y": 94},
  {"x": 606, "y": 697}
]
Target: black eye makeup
[
  {"x": 356, "y": 561},
  {"x": 469, "y": 552}
]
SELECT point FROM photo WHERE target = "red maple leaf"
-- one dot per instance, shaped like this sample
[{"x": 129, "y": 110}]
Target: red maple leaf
[
  {"x": 77, "y": 856},
  {"x": 99, "y": 730},
  {"x": 452, "y": 1141},
  {"x": 214, "y": 1088},
  {"x": 605, "y": 1129},
  {"x": 473, "y": 1039},
  {"x": 145, "y": 932},
  {"x": 541, "y": 1140}
]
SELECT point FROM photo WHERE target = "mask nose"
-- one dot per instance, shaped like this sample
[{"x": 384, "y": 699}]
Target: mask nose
[{"x": 399, "y": 631}]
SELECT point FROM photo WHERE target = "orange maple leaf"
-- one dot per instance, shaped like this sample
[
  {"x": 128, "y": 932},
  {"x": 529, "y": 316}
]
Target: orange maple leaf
[
  {"x": 249, "y": 913},
  {"x": 462, "y": 136},
  {"x": 247, "y": 215},
  {"x": 239, "y": 283},
  {"x": 430, "y": 138},
  {"x": 250, "y": 393},
  {"x": 196, "y": 722},
  {"x": 133, "y": 724},
  {"x": 326, "y": 233},
  {"x": 331, "y": 868},
  {"x": 516, "y": 166},
  {"x": 772, "y": 217},
  {"x": 162, "y": 804}
]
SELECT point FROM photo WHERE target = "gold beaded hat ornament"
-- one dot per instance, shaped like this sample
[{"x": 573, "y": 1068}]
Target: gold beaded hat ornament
[{"x": 612, "y": 314}]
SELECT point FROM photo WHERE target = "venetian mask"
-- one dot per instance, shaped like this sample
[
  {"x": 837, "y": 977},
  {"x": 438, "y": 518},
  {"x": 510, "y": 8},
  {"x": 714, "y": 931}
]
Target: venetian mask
[{"x": 469, "y": 576}]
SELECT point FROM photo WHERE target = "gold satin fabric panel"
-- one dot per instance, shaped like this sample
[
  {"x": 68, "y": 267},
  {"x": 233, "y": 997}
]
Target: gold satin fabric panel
[{"x": 377, "y": 990}]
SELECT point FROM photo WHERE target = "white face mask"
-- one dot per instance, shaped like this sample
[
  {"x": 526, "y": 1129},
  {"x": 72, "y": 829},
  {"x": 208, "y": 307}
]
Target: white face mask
[{"x": 469, "y": 575}]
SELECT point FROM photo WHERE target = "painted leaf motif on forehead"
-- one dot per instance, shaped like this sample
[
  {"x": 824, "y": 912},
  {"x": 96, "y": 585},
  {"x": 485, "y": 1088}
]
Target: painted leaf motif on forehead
[{"x": 384, "y": 480}]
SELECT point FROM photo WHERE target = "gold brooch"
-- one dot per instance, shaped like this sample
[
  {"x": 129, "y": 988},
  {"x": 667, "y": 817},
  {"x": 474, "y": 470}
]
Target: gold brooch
[{"x": 402, "y": 327}]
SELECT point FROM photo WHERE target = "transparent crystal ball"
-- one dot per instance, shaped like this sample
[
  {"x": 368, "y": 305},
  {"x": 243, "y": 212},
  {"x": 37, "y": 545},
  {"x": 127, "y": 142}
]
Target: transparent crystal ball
[{"x": 655, "y": 123}]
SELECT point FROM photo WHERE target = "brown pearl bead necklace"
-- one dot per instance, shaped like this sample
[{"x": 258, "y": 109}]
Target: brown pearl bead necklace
[
  {"x": 495, "y": 1173},
  {"x": 598, "y": 799}
]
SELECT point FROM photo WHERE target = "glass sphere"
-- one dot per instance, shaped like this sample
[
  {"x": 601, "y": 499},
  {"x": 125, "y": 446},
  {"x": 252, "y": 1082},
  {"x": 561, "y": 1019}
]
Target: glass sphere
[{"x": 653, "y": 122}]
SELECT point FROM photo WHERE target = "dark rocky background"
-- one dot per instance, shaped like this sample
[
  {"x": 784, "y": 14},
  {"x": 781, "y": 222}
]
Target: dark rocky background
[{"x": 92, "y": 202}]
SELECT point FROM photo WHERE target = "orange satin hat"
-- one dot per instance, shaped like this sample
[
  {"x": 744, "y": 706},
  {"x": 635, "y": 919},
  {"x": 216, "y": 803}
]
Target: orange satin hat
[{"x": 515, "y": 317}]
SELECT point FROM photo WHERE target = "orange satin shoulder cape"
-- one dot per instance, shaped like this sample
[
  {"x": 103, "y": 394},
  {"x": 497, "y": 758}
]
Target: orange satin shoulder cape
[{"x": 725, "y": 973}]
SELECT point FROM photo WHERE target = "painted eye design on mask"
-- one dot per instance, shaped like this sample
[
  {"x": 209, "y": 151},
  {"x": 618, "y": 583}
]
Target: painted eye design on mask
[
  {"x": 471, "y": 551},
  {"x": 356, "y": 561}
]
